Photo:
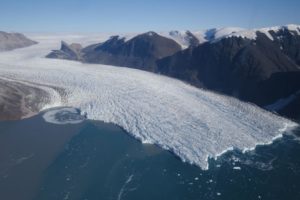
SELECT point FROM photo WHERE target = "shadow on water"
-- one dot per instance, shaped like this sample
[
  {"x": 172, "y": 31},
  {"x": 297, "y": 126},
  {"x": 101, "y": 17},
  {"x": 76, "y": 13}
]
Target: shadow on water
[{"x": 93, "y": 160}]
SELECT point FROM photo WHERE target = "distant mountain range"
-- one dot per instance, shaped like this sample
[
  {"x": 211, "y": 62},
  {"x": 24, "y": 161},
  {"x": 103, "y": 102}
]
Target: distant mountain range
[
  {"x": 260, "y": 66},
  {"x": 10, "y": 41}
]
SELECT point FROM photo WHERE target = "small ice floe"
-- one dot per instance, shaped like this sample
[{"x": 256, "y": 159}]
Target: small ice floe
[
  {"x": 296, "y": 137},
  {"x": 124, "y": 187},
  {"x": 67, "y": 195},
  {"x": 22, "y": 159},
  {"x": 68, "y": 178},
  {"x": 218, "y": 194},
  {"x": 66, "y": 115},
  {"x": 237, "y": 168}
]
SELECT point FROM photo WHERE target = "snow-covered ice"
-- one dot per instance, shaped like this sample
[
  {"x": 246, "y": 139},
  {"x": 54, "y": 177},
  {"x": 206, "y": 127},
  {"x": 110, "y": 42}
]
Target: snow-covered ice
[
  {"x": 181, "y": 37},
  {"x": 252, "y": 33},
  {"x": 213, "y": 35},
  {"x": 194, "y": 124},
  {"x": 237, "y": 168}
]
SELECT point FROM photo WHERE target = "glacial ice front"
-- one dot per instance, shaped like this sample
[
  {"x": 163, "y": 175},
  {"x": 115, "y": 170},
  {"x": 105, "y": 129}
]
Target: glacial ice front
[{"x": 194, "y": 124}]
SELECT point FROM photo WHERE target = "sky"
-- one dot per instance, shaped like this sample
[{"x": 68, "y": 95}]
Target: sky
[{"x": 143, "y": 15}]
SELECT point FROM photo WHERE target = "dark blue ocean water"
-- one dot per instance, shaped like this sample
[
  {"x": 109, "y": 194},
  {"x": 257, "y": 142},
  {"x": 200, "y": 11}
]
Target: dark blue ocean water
[{"x": 95, "y": 160}]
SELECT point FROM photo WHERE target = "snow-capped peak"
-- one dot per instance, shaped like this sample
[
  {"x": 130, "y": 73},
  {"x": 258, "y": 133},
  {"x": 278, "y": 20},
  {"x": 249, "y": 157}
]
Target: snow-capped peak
[
  {"x": 181, "y": 37},
  {"x": 293, "y": 27},
  {"x": 252, "y": 33},
  {"x": 215, "y": 34},
  {"x": 223, "y": 32}
]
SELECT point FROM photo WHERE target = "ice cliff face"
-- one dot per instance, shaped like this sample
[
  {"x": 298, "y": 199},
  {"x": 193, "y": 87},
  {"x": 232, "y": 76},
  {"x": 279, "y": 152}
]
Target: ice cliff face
[{"x": 194, "y": 124}]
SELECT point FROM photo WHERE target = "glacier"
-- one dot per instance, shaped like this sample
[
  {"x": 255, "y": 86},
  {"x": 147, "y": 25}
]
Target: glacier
[{"x": 193, "y": 123}]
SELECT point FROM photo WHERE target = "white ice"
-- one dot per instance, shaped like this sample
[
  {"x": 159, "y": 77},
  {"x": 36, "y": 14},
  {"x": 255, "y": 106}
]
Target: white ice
[
  {"x": 63, "y": 116},
  {"x": 194, "y": 124},
  {"x": 181, "y": 37},
  {"x": 252, "y": 33}
]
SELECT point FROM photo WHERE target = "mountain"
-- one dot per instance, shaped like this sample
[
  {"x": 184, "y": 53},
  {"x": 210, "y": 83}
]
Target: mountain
[
  {"x": 68, "y": 52},
  {"x": 10, "y": 41},
  {"x": 142, "y": 51},
  {"x": 288, "y": 40},
  {"x": 256, "y": 66}
]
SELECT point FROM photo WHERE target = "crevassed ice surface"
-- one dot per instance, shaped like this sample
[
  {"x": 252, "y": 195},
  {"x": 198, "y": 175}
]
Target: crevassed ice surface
[{"x": 194, "y": 124}]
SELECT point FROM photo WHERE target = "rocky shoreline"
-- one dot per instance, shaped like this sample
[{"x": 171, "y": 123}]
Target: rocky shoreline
[{"x": 18, "y": 101}]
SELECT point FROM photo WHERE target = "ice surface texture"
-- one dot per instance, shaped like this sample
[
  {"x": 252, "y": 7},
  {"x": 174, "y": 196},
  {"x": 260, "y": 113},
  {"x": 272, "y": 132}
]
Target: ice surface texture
[{"x": 194, "y": 124}]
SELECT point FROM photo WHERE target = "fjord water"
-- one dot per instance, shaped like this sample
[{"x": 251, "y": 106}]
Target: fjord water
[{"x": 94, "y": 160}]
